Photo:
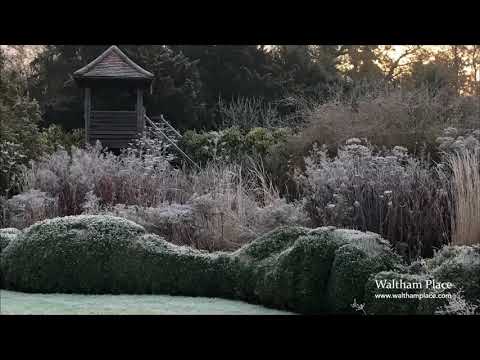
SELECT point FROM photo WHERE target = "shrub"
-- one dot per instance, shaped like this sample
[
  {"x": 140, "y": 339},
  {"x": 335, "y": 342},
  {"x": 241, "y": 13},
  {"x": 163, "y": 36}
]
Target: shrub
[
  {"x": 292, "y": 268},
  {"x": 390, "y": 193},
  {"x": 174, "y": 222},
  {"x": 201, "y": 147},
  {"x": 287, "y": 268},
  {"x": 248, "y": 113},
  {"x": 54, "y": 137},
  {"x": 7, "y": 235},
  {"x": 103, "y": 254},
  {"x": 231, "y": 144},
  {"x": 261, "y": 140},
  {"x": 459, "y": 265},
  {"x": 11, "y": 159},
  {"x": 216, "y": 215},
  {"x": 29, "y": 207},
  {"x": 131, "y": 178},
  {"x": 362, "y": 256},
  {"x": 220, "y": 220},
  {"x": 234, "y": 205},
  {"x": 457, "y": 305},
  {"x": 412, "y": 119},
  {"x": 230, "y": 204},
  {"x": 277, "y": 213},
  {"x": 453, "y": 140}
]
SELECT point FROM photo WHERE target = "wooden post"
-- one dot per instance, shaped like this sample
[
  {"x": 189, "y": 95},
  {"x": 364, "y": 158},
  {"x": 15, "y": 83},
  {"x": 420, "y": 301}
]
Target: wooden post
[
  {"x": 86, "y": 115},
  {"x": 140, "y": 115}
]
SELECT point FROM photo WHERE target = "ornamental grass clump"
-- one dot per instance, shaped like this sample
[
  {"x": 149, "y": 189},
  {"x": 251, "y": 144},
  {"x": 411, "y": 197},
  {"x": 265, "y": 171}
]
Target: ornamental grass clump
[{"x": 465, "y": 168}]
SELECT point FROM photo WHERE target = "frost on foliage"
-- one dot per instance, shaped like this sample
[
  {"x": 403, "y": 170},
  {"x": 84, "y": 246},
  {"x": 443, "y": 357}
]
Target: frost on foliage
[
  {"x": 315, "y": 270},
  {"x": 457, "y": 305},
  {"x": 7, "y": 235},
  {"x": 300, "y": 269},
  {"x": 368, "y": 190},
  {"x": 91, "y": 204},
  {"x": 155, "y": 218},
  {"x": 106, "y": 254},
  {"x": 352, "y": 141},
  {"x": 26, "y": 208},
  {"x": 368, "y": 242},
  {"x": 400, "y": 151},
  {"x": 214, "y": 208},
  {"x": 280, "y": 213},
  {"x": 358, "y": 307},
  {"x": 468, "y": 256},
  {"x": 453, "y": 140},
  {"x": 459, "y": 265},
  {"x": 136, "y": 176}
]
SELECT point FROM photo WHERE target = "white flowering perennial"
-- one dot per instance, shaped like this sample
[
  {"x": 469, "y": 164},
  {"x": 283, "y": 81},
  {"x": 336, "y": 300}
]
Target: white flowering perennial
[{"x": 368, "y": 190}]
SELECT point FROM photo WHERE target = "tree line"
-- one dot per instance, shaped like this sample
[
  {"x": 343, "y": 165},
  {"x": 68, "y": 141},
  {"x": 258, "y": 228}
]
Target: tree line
[{"x": 191, "y": 80}]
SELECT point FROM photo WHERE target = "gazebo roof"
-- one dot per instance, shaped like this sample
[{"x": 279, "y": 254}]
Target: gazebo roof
[{"x": 112, "y": 64}]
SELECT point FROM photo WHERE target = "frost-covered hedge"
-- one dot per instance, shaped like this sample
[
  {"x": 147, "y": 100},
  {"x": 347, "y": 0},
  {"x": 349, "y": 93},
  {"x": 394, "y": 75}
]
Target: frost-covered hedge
[
  {"x": 106, "y": 254},
  {"x": 311, "y": 271},
  {"x": 458, "y": 265},
  {"x": 288, "y": 268},
  {"x": 7, "y": 235},
  {"x": 292, "y": 268}
]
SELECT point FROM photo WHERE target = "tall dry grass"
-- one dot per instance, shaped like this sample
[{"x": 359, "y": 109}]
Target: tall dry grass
[
  {"x": 465, "y": 167},
  {"x": 221, "y": 206}
]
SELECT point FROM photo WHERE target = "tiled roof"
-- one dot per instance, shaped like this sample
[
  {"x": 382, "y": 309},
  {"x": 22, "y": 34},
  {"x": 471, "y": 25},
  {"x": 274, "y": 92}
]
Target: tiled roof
[{"x": 113, "y": 64}]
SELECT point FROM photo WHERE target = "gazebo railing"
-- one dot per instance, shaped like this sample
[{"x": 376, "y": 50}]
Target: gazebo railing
[{"x": 114, "y": 129}]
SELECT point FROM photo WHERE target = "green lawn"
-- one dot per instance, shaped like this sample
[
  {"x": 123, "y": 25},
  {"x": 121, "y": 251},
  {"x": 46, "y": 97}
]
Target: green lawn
[{"x": 66, "y": 304}]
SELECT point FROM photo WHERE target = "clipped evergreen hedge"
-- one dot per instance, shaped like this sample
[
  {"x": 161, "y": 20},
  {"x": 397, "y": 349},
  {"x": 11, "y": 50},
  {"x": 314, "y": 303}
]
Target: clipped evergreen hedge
[
  {"x": 294, "y": 268},
  {"x": 291, "y": 268},
  {"x": 458, "y": 265},
  {"x": 106, "y": 254},
  {"x": 7, "y": 235}
]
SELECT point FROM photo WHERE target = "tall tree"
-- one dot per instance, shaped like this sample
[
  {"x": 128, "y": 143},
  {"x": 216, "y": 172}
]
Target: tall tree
[
  {"x": 19, "y": 119},
  {"x": 361, "y": 63},
  {"x": 451, "y": 68},
  {"x": 306, "y": 69},
  {"x": 229, "y": 70},
  {"x": 473, "y": 74}
]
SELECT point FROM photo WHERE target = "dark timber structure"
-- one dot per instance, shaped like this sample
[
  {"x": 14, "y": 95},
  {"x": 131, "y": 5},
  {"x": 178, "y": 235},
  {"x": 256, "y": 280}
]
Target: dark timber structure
[{"x": 113, "y": 107}]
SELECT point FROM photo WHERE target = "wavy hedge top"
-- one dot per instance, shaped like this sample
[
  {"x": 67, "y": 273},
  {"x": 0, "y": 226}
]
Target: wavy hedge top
[{"x": 292, "y": 268}]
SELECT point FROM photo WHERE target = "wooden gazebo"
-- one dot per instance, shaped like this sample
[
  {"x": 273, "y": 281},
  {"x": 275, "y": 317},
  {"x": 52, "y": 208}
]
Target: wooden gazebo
[{"x": 113, "y": 106}]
